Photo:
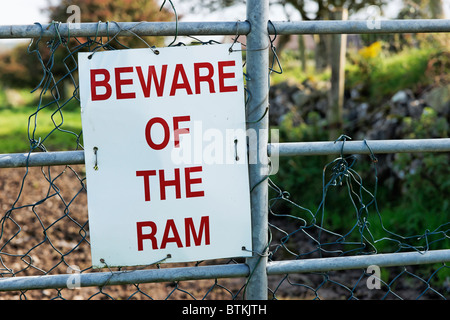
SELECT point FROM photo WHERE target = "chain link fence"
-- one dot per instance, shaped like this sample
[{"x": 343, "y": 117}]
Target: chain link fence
[{"x": 44, "y": 233}]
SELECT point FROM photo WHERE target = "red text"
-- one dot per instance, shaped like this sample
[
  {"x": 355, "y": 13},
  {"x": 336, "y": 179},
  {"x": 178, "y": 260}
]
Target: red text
[
  {"x": 148, "y": 79},
  {"x": 192, "y": 236}
]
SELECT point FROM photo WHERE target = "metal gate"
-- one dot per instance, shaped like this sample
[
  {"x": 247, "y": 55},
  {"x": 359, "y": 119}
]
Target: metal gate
[{"x": 257, "y": 28}]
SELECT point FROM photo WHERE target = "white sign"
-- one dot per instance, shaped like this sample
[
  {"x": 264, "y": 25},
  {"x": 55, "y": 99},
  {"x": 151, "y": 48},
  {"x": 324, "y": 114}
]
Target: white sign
[{"x": 166, "y": 156}]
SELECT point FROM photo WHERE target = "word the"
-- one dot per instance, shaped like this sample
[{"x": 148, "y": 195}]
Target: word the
[{"x": 176, "y": 182}]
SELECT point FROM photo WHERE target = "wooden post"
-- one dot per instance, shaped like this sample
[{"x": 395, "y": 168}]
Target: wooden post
[{"x": 337, "y": 61}]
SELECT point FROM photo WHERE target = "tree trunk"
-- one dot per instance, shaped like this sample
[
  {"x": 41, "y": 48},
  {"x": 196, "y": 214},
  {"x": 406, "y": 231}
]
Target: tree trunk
[
  {"x": 338, "y": 44},
  {"x": 302, "y": 49},
  {"x": 436, "y": 9},
  {"x": 321, "y": 51}
]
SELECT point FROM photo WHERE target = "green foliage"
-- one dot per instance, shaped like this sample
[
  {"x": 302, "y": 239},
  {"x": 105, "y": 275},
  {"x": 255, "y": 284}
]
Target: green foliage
[
  {"x": 23, "y": 68},
  {"x": 429, "y": 125},
  {"x": 388, "y": 75},
  {"x": 302, "y": 176},
  {"x": 116, "y": 10},
  {"x": 384, "y": 75},
  {"x": 425, "y": 176},
  {"x": 14, "y": 128},
  {"x": 413, "y": 211},
  {"x": 324, "y": 7},
  {"x": 19, "y": 68}
]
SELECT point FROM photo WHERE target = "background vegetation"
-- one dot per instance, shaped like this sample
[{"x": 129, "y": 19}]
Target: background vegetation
[{"x": 413, "y": 195}]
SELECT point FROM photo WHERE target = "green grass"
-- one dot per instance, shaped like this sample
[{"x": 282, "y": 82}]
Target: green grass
[
  {"x": 293, "y": 72},
  {"x": 47, "y": 125},
  {"x": 404, "y": 70},
  {"x": 386, "y": 74}
]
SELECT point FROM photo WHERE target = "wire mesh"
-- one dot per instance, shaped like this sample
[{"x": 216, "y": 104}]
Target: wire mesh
[
  {"x": 310, "y": 234},
  {"x": 45, "y": 229}
]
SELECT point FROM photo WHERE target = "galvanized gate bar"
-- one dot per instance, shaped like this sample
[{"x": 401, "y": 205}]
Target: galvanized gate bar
[
  {"x": 358, "y": 262},
  {"x": 257, "y": 63},
  {"x": 37, "y": 159},
  {"x": 144, "y": 28},
  {"x": 361, "y": 26},
  {"x": 359, "y": 147},
  {"x": 221, "y": 271},
  {"x": 100, "y": 279},
  {"x": 103, "y": 29}
]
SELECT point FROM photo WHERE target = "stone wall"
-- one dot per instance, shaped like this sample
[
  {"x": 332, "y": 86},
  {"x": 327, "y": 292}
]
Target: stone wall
[
  {"x": 362, "y": 119},
  {"x": 404, "y": 115}
]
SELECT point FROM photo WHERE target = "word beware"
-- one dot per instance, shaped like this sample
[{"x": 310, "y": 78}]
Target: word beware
[{"x": 102, "y": 88}]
